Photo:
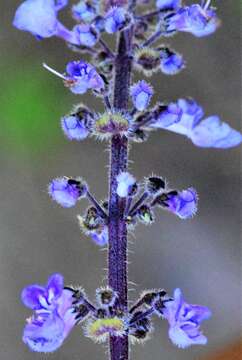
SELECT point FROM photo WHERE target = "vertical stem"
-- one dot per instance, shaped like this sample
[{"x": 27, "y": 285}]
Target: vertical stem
[{"x": 117, "y": 252}]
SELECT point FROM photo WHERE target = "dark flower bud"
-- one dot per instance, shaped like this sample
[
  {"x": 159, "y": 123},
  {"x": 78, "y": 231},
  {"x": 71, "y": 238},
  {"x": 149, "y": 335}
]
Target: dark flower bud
[
  {"x": 106, "y": 297},
  {"x": 161, "y": 200},
  {"x": 140, "y": 29},
  {"x": 147, "y": 60},
  {"x": 138, "y": 136},
  {"x": 103, "y": 62},
  {"x": 81, "y": 313},
  {"x": 155, "y": 184},
  {"x": 101, "y": 313},
  {"x": 92, "y": 220},
  {"x": 145, "y": 215},
  {"x": 139, "y": 334}
]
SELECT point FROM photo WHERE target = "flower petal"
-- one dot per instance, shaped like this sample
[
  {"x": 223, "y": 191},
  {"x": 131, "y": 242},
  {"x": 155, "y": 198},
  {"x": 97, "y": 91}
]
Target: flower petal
[
  {"x": 55, "y": 286},
  {"x": 212, "y": 132},
  {"x": 31, "y": 296},
  {"x": 37, "y": 17},
  {"x": 45, "y": 335}
]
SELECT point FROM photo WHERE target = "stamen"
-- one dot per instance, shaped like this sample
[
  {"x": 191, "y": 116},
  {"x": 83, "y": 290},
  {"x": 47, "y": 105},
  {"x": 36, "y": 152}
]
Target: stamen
[
  {"x": 54, "y": 71},
  {"x": 207, "y": 4}
]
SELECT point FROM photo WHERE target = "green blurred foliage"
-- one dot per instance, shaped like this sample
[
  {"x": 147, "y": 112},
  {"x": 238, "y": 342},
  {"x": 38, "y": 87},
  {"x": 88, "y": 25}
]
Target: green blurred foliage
[{"x": 31, "y": 106}]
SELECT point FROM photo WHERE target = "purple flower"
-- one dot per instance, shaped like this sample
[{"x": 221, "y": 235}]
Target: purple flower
[
  {"x": 115, "y": 19},
  {"x": 100, "y": 237},
  {"x": 212, "y": 132},
  {"x": 181, "y": 203},
  {"x": 77, "y": 125},
  {"x": 82, "y": 76},
  {"x": 184, "y": 320},
  {"x": 179, "y": 117},
  {"x": 170, "y": 62},
  {"x": 199, "y": 21},
  {"x": 67, "y": 192},
  {"x": 125, "y": 183},
  {"x": 84, "y": 11},
  {"x": 141, "y": 93},
  {"x": 74, "y": 128},
  {"x": 53, "y": 317},
  {"x": 86, "y": 35},
  {"x": 184, "y": 117},
  {"x": 39, "y": 17},
  {"x": 168, "y": 4}
]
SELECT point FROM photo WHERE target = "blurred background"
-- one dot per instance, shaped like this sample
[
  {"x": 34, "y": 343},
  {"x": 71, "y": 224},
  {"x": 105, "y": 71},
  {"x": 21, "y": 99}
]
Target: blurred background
[{"x": 202, "y": 255}]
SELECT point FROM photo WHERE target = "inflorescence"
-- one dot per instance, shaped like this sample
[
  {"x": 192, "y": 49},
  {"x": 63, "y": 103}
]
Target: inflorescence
[{"x": 56, "y": 308}]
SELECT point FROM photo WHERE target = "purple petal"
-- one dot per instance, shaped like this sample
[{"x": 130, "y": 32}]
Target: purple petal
[
  {"x": 212, "y": 132},
  {"x": 45, "y": 334},
  {"x": 31, "y": 296},
  {"x": 55, "y": 286},
  {"x": 37, "y": 17}
]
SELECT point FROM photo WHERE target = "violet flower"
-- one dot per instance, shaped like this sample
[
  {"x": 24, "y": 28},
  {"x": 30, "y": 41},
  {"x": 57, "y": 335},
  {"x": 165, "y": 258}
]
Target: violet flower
[
  {"x": 82, "y": 76},
  {"x": 171, "y": 62},
  {"x": 185, "y": 117},
  {"x": 66, "y": 192},
  {"x": 115, "y": 19},
  {"x": 53, "y": 317},
  {"x": 84, "y": 11},
  {"x": 195, "y": 19},
  {"x": 125, "y": 183},
  {"x": 184, "y": 321},
  {"x": 86, "y": 35},
  {"x": 39, "y": 17},
  {"x": 141, "y": 94},
  {"x": 181, "y": 203}
]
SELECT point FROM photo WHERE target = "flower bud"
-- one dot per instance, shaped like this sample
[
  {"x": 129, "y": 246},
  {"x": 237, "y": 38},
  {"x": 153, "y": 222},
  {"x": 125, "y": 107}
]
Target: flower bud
[
  {"x": 116, "y": 19},
  {"x": 138, "y": 136},
  {"x": 84, "y": 11},
  {"x": 141, "y": 94},
  {"x": 78, "y": 125},
  {"x": 86, "y": 35},
  {"x": 103, "y": 62},
  {"x": 66, "y": 191},
  {"x": 182, "y": 203},
  {"x": 126, "y": 184},
  {"x": 147, "y": 60},
  {"x": 106, "y": 297},
  {"x": 145, "y": 215},
  {"x": 140, "y": 29},
  {"x": 155, "y": 184},
  {"x": 171, "y": 62}
]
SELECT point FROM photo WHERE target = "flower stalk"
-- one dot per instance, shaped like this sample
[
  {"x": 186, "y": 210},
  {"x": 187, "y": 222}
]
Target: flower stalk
[{"x": 117, "y": 249}]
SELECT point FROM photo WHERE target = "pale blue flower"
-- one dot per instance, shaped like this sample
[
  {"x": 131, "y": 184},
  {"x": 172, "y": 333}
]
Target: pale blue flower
[
  {"x": 184, "y": 320},
  {"x": 53, "y": 317}
]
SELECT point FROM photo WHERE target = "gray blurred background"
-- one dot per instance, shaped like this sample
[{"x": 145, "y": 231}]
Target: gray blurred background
[{"x": 202, "y": 255}]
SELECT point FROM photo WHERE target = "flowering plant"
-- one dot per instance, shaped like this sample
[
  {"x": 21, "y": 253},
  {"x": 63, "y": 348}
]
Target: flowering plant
[{"x": 127, "y": 118}]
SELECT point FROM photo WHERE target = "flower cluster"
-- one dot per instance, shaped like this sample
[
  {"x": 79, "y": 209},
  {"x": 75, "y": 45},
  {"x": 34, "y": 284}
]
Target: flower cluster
[{"x": 57, "y": 308}]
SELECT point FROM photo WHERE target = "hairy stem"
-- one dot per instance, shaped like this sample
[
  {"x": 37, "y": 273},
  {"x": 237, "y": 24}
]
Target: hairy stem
[{"x": 117, "y": 251}]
